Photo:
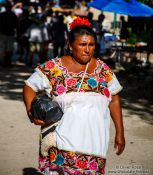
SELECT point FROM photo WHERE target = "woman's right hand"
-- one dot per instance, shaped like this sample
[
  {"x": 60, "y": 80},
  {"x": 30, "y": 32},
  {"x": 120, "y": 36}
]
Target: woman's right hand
[
  {"x": 38, "y": 122},
  {"x": 34, "y": 120}
]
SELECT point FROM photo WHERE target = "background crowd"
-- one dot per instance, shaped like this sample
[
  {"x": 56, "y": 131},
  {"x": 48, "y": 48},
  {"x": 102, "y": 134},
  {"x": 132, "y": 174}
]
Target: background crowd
[{"x": 36, "y": 30}]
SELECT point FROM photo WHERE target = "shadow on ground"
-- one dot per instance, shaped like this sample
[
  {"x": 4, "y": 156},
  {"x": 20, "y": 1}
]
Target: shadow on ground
[
  {"x": 137, "y": 94},
  {"x": 12, "y": 81},
  {"x": 31, "y": 171}
]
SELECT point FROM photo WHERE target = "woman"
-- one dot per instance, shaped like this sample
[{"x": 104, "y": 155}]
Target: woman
[{"x": 87, "y": 91}]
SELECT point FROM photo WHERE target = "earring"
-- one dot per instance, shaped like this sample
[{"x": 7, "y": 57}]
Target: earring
[{"x": 70, "y": 51}]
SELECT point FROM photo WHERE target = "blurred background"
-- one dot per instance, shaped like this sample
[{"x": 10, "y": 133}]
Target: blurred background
[{"x": 34, "y": 31}]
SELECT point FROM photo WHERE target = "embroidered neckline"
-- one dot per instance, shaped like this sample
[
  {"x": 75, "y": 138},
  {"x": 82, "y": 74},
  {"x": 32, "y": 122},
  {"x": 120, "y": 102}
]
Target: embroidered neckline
[
  {"x": 63, "y": 81},
  {"x": 79, "y": 73}
]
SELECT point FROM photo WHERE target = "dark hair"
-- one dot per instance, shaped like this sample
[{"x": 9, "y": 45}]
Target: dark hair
[{"x": 80, "y": 30}]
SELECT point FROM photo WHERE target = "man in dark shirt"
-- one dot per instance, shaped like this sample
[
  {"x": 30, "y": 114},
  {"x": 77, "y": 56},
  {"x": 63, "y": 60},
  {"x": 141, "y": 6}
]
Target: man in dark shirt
[
  {"x": 59, "y": 36},
  {"x": 8, "y": 26}
]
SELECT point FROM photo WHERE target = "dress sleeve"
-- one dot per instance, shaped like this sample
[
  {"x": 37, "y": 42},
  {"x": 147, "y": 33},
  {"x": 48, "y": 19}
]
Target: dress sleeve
[
  {"x": 114, "y": 85},
  {"x": 38, "y": 82}
]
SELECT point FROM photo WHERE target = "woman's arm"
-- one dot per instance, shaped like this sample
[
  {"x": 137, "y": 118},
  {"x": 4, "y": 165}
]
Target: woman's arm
[
  {"x": 28, "y": 96},
  {"x": 116, "y": 114}
]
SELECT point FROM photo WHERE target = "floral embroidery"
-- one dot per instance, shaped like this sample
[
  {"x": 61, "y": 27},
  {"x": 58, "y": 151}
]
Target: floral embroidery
[
  {"x": 49, "y": 65},
  {"x": 59, "y": 160},
  {"x": 71, "y": 82},
  {"x": 92, "y": 82},
  {"x": 103, "y": 83},
  {"x": 81, "y": 163},
  {"x": 84, "y": 86},
  {"x": 78, "y": 172},
  {"x": 106, "y": 92},
  {"x": 72, "y": 154},
  {"x": 56, "y": 72},
  {"x": 93, "y": 165},
  {"x": 52, "y": 156},
  {"x": 82, "y": 90},
  {"x": 101, "y": 80},
  {"x": 63, "y": 81},
  {"x": 43, "y": 163},
  {"x": 72, "y": 163},
  {"x": 106, "y": 67},
  {"x": 60, "y": 89},
  {"x": 53, "y": 81},
  {"x": 108, "y": 76}
]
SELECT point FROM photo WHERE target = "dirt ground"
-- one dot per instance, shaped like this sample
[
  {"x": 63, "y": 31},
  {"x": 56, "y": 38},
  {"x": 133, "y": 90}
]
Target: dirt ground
[{"x": 19, "y": 138}]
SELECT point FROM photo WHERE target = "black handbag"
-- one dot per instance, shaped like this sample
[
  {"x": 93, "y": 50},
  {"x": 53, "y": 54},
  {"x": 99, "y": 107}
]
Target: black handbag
[{"x": 43, "y": 108}]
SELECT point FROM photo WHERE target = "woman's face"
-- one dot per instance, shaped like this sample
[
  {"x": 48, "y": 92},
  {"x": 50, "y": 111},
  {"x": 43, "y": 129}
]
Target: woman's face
[{"x": 83, "y": 48}]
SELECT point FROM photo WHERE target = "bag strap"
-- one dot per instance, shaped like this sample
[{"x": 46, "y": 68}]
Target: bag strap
[
  {"x": 83, "y": 77},
  {"x": 45, "y": 133}
]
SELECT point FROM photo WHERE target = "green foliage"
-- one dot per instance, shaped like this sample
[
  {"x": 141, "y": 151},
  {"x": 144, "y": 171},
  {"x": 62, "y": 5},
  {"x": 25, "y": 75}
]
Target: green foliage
[
  {"x": 149, "y": 2},
  {"x": 145, "y": 37},
  {"x": 132, "y": 39}
]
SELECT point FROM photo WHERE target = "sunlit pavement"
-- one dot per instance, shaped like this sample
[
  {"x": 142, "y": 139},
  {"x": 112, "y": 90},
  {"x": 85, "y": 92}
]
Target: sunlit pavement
[{"x": 19, "y": 138}]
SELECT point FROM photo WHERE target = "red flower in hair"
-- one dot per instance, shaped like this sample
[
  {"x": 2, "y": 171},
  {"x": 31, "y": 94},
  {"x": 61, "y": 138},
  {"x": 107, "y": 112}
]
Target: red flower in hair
[{"x": 79, "y": 21}]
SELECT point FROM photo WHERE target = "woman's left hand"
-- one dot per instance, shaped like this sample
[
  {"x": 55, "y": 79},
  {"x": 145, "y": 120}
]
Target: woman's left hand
[{"x": 119, "y": 144}]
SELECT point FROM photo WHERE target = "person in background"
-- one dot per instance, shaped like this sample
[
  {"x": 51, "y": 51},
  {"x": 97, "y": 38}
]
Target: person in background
[
  {"x": 124, "y": 33},
  {"x": 23, "y": 41},
  {"x": 55, "y": 16},
  {"x": 59, "y": 30},
  {"x": 82, "y": 10},
  {"x": 100, "y": 35},
  {"x": 88, "y": 93},
  {"x": 106, "y": 25},
  {"x": 47, "y": 36},
  {"x": 68, "y": 18},
  {"x": 36, "y": 38},
  {"x": 8, "y": 29},
  {"x": 18, "y": 9}
]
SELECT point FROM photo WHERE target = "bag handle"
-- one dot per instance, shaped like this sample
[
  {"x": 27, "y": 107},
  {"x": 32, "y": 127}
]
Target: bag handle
[{"x": 83, "y": 77}]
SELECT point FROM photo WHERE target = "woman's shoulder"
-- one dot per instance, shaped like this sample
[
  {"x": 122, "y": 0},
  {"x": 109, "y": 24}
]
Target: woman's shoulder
[
  {"x": 103, "y": 65},
  {"x": 105, "y": 71},
  {"x": 49, "y": 64},
  {"x": 65, "y": 59}
]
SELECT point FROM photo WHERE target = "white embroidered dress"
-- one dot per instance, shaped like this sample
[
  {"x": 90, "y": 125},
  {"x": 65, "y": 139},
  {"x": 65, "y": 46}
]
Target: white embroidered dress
[{"x": 85, "y": 124}]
